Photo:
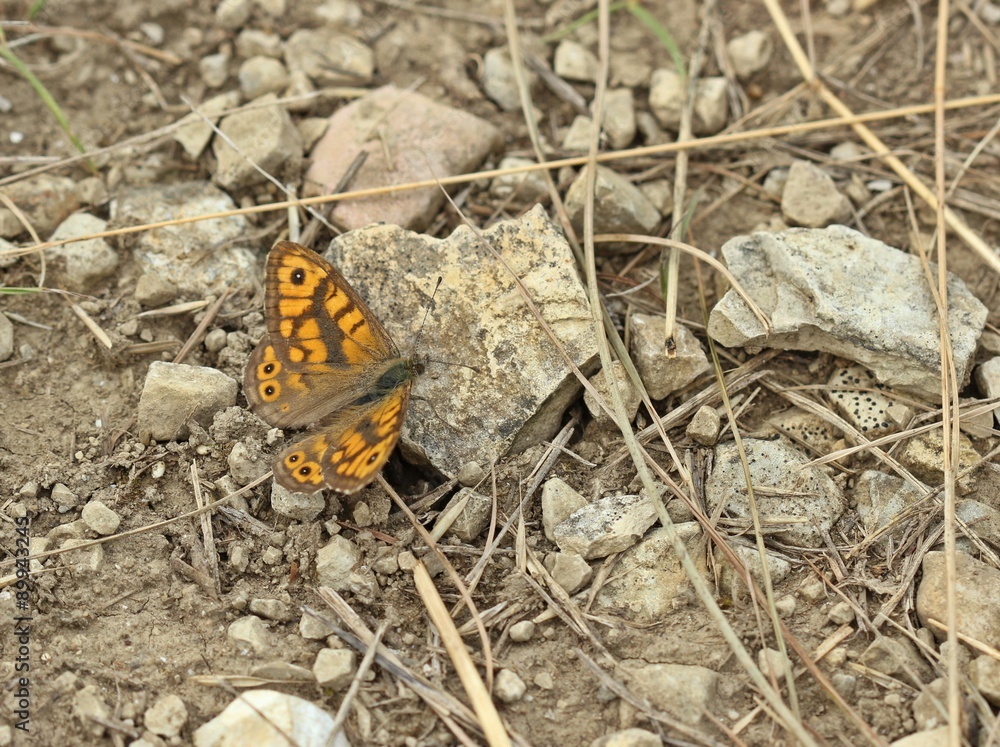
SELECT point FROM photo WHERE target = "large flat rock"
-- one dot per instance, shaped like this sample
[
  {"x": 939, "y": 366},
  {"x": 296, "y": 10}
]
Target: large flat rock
[{"x": 839, "y": 291}]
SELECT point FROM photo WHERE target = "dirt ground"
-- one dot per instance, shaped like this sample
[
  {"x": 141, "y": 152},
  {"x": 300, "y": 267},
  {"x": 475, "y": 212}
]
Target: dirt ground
[{"x": 143, "y": 626}]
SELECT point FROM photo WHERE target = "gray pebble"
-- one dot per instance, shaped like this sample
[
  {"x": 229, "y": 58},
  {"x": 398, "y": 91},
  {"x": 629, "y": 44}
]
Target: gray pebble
[
  {"x": 261, "y": 75},
  {"x": 522, "y": 632},
  {"x": 232, "y": 14},
  {"x": 215, "y": 340},
  {"x": 166, "y": 717},
  {"x": 335, "y": 667},
  {"x": 272, "y": 609},
  {"x": 250, "y": 631},
  {"x": 6, "y": 338},
  {"x": 508, "y": 687},
  {"x": 470, "y": 474},
  {"x": 151, "y": 290},
  {"x": 214, "y": 69},
  {"x": 100, "y": 518}
]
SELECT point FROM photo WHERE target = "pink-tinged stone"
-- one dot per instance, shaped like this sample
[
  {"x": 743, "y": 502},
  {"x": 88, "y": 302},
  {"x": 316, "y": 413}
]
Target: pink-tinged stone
[{"x": 408, "y": 138}]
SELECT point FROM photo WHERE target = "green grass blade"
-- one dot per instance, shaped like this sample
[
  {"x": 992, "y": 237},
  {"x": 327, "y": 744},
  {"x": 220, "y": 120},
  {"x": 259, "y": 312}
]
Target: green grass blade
[
  {"x": 665, "y": 38},
  {"x": 36, "y": 8},
  {"x": 42, "y": 91},
  {"x": 583, "y": 20}
]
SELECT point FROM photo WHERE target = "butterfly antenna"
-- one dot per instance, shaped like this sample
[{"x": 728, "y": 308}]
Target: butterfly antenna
[
  {"x": 420, "y": 331},
  {"x": 427, "y": 311}
]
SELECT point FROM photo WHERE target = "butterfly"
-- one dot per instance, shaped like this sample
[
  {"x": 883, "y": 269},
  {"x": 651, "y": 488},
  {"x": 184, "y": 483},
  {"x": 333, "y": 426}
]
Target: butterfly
[{"x": 326, "y": 361}]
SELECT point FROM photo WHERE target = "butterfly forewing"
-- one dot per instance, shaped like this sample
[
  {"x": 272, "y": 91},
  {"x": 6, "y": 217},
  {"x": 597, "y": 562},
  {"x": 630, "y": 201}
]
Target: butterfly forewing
[{"x": 314, "y": 318}]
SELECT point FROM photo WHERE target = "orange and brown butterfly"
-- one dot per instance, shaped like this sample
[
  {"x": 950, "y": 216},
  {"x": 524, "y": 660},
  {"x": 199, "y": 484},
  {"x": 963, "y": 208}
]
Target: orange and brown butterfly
[{"x": 326, "y": 361}]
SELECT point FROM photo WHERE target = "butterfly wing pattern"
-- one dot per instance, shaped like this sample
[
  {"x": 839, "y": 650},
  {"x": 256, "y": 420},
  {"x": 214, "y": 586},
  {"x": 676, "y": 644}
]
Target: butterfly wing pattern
[{"x": 326, "y": 360}]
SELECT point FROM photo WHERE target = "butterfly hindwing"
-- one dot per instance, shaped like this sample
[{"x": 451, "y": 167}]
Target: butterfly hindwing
[{"x": 347, "y": 453}]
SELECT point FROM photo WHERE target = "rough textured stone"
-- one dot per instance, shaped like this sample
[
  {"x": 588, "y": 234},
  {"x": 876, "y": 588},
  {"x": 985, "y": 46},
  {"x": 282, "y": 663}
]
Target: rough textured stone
[
  {"x": 578, "y": 134},
  {"x": 808, "y": 428},
  {"x": 978, "y": 590},
  {"x": 984, "y": 671},
  {"x": 660, "y": 374},
  {"x": 750, "y": 52},
  {"x": 666, "y": 100},
  {"x": 811, "y": 199},
  {"x": 45, "y": 200},
  {"x": 881, "y": 498},
  {"x": 498, "y": 79},
  {"x": 298, "y": 506},
  {"x": 80, "y": 265},
  {"x": 175, "y": 393},
  {"x": 247, "y": 463},
  {"x": 6, "y": 338},
  {"x": 522, "y": 632},
  {"x": 559, "y": 501},
  {"x": 152, "y": 290},
  {"x": 335, "y": 561},
  {"x": 684, "y": 691},
  {"x": 194, "y": 133},
  {"x": 866, "y": 410},
  {"x": 425, "y": 139},
  {"x": 610, "y": 524},
  {"x": 330, "y": 57},
  {"x": 250, "y": 632},
  {"x": 628, "y": 738},
  {"x": 260, "y": 75},
  {"x": 272, "y": 609},
  {"x": 474, "y": 518},
  {"x": 520, "y": 188},
  {"x": 166, "y": 717},
  {"x": 573, "y": 61},
  {"x": 334, "y": 667},
  {"x": 777, "y": 567},
  {"x": 267, "y": 141},
  {"x": 840, "y": 292},
  {"x": 100, "y": 518},
  {"x": 629, "y": 394},
  {"x": 519, "y": 390},
  {"x": 171, "y": 252},
  {"x": 897, "y": 657},
  {"x": 509, "y": 688},
  {"x": 704, "y": 426},
  {"x": 267, "y": 718},
  {"x": 618, "y": 121},
  {"x": 569, "y": 570},
  {"x": 923, "y": 455},
  {"x": 649, "y": 583},
  {"x": 619, "y": 205},
  {"x": 802, "y": 492},
  {"x": 933, "y": 738}
]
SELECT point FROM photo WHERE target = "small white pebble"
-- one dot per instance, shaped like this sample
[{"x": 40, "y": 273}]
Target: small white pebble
[
  {"x": 841, "y": 613},
  {"x": 508, "y": 687},
  {"x": 879, "y": 185},
  {"x": 520, "y": 632}
]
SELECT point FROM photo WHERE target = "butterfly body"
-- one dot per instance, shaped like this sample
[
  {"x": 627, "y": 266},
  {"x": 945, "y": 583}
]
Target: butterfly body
[{"x": 326, "y": 361}]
